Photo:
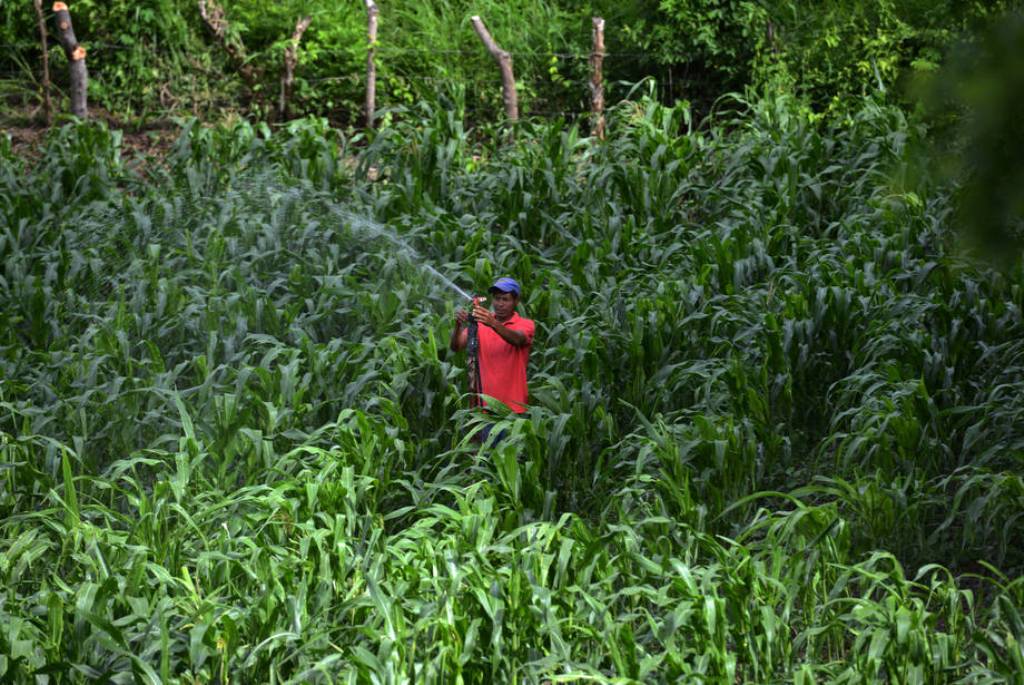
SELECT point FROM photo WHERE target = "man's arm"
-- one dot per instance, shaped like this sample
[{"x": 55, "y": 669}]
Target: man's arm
[
  {"x": 460, "y": 334},
  {"x": 512, "y": 337}
]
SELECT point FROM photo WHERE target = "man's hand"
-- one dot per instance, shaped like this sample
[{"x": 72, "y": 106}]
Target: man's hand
[
  {"x": 460, "y": 334},
  {"x": 484, "y": 316}
]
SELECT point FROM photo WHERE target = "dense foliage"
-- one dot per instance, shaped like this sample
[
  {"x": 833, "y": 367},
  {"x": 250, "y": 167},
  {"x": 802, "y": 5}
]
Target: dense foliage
[
  {"x": 776, "y": 432},
  {"x": 144, "y": 58},
  {"x": 974, "y": 107},
  {"x": 829, "y": 53},
  {"x": 156, "y": 57}
]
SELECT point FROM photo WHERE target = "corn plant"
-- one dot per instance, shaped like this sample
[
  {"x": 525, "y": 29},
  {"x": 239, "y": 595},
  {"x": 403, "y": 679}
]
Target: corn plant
[{"x": 774, "y": 433}]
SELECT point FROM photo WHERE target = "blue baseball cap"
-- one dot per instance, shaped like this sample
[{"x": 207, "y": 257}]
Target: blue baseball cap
[{"x": 506, "y": 285}]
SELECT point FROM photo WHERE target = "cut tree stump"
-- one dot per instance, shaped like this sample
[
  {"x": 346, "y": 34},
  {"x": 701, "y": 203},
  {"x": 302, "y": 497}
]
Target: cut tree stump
[
  {"x": 371, "y": 65},
  {"x": 76, "y": 60}
]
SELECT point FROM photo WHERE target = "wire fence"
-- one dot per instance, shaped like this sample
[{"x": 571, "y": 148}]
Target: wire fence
[
  {"x": 378, "y": 50},
  {"x": 533, "y": 77}
]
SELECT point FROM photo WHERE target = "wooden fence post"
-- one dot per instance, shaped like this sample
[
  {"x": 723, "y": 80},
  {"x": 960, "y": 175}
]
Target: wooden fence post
[
  {"x": 291, "y": 58},
  {"x": 371, "y": 65},
  {"x": 47, "y": 105},
  {"x": 597, "y": 78},
  {"x": 213, "y": 16},
  {"x": 76, "y": 60},
  {"x": 504, "y": 60}
]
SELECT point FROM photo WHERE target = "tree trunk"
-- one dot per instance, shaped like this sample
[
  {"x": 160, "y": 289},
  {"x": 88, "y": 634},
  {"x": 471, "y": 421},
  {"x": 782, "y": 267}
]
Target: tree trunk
[
  {"x": 213, "y": 15},
  {"x": 291, "y": 59},
  {"x": 504, "y": 60},
  {"x": 371, "y": 65},
  {"x": 47, "y": 104},
  {"x": 76, "y": 59},
  {"x": 597, "y": 78}
]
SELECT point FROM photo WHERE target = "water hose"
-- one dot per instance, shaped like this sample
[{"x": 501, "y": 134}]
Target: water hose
[{"x": 473, "y": 361}]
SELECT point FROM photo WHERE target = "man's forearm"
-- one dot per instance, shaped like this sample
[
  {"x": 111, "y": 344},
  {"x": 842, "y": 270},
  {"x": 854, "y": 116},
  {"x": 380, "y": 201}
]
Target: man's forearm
[
  {"x": 514, "y": 338},
  {"x": 457, "y": 341}
]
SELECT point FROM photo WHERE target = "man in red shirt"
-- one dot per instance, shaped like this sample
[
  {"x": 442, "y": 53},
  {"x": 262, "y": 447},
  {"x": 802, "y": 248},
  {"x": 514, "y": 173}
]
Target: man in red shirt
[{"x": 505, "y": 341}]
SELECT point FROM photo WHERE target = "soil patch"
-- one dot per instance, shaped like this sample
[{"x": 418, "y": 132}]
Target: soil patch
[{"x": 139, "y": 145}]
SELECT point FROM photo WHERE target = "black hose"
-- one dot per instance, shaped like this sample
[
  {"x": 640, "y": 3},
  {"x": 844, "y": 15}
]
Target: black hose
[{"x": 473, "y": 364}]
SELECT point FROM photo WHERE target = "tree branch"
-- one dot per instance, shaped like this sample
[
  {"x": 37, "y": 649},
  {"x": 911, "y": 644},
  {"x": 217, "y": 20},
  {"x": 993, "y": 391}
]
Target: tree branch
[
  {"x": 47, "y": 104},
  {"x": 504, "y": 60},
  {"x": 213, "y": 15},
  {"x": 291, "y": 59},
  {"x": 597, "y": 78}
]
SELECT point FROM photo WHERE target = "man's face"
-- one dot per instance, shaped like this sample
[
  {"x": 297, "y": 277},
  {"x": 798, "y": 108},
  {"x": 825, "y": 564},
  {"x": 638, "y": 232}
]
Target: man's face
[{"x": 504, "y": 304}]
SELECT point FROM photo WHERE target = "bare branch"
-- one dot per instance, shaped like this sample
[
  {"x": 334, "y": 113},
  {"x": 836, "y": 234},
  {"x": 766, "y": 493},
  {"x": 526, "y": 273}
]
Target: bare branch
[
  {"x": 213, "y": 15},
  {"x": 597, "y": 78},
  {"x": 291, "y": 59},
  {"x": 504, "y": 60},
  {"x": 47, "y": 104},
  {"x": 371, "y": 66}
]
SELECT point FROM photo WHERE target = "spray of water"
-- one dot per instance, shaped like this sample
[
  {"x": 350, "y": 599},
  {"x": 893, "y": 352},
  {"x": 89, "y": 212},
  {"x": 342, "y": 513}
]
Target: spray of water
[
  {"x": 373, "y": 228},
  {"x": 261, "y": 195},
  {"x": 278, "y": 201},
  {"x": 447, "y": 282}
]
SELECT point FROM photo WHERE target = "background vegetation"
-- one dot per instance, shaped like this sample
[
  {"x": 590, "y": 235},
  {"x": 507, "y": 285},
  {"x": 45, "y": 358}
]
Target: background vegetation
[{"x": 155, "y": 58}]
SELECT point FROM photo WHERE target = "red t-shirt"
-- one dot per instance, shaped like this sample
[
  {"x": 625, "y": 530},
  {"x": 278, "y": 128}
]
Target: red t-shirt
[{"x": 503, "y": 366}]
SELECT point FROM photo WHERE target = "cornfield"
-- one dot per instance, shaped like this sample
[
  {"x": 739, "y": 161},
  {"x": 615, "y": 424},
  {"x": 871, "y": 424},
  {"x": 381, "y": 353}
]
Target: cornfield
[{"x": 776, "y": 431}]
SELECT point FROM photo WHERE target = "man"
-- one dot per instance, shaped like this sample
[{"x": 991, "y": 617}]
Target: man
[{"x": 505, "y": 340}]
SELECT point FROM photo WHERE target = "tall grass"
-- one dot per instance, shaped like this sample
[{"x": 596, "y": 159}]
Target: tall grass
[{"x": 775, "y": 432}]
